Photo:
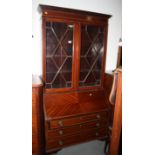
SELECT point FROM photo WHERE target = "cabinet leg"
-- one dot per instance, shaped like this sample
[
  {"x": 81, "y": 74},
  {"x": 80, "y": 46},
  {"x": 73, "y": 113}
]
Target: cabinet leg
[
  {"x": 106, "y": 149},
  {"x": 53, "y": 152}
]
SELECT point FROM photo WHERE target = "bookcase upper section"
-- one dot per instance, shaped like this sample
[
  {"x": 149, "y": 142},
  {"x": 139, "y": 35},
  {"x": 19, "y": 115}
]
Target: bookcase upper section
[{"x": 74, "y": 49}]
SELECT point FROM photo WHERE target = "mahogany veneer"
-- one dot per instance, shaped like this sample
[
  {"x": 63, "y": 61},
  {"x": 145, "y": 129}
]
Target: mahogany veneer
[
  {"x": 76, "y": 105},
  {"x": 37, "y": 117}
]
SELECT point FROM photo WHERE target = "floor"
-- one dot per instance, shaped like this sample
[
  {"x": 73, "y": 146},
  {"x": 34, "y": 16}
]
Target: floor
[{"x": 90, "y": 148}]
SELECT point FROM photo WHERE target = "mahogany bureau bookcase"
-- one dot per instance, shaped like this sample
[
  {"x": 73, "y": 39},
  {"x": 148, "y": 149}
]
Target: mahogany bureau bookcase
[{"x": 76, "y": 107}]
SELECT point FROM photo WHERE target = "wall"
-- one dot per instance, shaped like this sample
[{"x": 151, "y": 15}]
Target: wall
[{"x": 112, "y": 7}]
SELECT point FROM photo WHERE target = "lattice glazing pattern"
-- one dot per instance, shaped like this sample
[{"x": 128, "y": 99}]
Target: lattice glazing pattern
[
  {"x": 91, "y": 55},
  {"x": 59, "y": 49}
]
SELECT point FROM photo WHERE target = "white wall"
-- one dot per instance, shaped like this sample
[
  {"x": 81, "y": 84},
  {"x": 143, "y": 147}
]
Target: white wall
[{"x": 112, "y": 7}]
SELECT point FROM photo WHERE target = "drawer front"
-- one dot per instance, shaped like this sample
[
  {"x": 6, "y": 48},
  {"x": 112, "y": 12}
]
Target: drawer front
[
  {"x": 72, "y": 130},
  {"x": 63, "y": 131},
  {"x": 98, "y": 116},
  {"x": 94, "y": 133},
  {"x": 93, "y": 124},
  {"x": 65, "y": 122},
  {"x": 102, "y": 116},
  {"x": 75, "y": 139},
  {"x": 62, "y": 142}
]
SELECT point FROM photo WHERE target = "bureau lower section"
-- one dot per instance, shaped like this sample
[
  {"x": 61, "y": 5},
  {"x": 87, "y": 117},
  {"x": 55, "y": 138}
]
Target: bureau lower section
[
  {"x": 75, "y": 117},
  {"x": 69, "y": 131}
]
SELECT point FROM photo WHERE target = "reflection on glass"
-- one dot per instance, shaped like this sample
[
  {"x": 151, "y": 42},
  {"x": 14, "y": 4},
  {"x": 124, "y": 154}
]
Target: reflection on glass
[
  {"x": 59, "y": 49},
  {"x": 91, "y": 55}
]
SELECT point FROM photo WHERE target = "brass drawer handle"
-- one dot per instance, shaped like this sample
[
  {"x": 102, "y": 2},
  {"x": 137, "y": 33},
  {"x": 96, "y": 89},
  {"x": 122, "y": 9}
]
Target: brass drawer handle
[
  {"x": 45, "y": 12},
  {"x": 97, "y": 134},
  {"x": 60, "y": 132},
  {"x": 60, "y": 123},
  {"x": 90, "y": 94},
  {"x": 60, "y": 142},
  {"x": 98, "y": 116},
  {"x": 97, "y": 124}
]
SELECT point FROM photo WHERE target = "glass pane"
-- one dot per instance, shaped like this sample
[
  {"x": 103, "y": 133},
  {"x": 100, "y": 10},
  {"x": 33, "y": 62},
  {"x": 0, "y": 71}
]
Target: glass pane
[
  {"x": 59, "y": 50},
  {"x": 91, "y": 55}
]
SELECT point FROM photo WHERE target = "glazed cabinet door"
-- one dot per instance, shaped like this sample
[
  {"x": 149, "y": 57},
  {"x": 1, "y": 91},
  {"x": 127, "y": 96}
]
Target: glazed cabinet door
[
  {"x": 59, "y": 51},
  {"x": 91, "y": 55}
]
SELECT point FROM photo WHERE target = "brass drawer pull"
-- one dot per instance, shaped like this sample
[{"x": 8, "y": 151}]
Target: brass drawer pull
[
  {"x": 60, "y": 123},
  {"x": 97, "y": 124},
  {"x": 97, "y": 134},
  {"x": 60, "y": 142},
  {"x": 60, "y": 132},
  {"x": 90, "y": 94},
  {"x": 98, "y": 116}
]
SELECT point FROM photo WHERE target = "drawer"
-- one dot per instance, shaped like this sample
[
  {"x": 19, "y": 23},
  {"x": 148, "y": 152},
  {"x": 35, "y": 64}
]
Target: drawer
[
  {"x": 72, "y": 130},
  {"x": 65, "y": 141},
  {"x": 98, "y": 116},
  {"x": 94, "y": 134},
  {"x": 63, "y": 131},
  {"x": 75, "y": 139},
  {"x": 93, "y": 124},
  {"x": 65, "y": 122},
  {"x": 102, "y": 116}
]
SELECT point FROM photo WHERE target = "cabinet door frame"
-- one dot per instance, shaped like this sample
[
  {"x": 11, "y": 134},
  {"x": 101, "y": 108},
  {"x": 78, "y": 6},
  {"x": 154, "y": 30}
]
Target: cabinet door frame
[
  {"x": 73, "y": 86},
  {"x": 105, "y": 30}
]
